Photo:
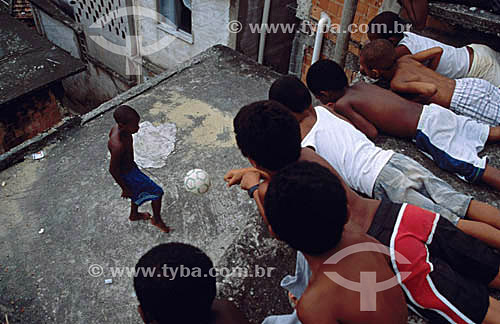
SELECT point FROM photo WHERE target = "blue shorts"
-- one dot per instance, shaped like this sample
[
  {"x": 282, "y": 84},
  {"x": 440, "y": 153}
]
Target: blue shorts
[
  {"x": 453, "y": 141},
  {"x": 142, "y": 187}
]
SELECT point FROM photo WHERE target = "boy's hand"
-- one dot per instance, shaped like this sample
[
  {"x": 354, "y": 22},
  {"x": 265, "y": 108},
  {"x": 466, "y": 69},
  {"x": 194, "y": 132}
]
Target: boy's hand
[
  {"x": 234, "y": 176},
  {"x": 126, "y": 193},
  {"x": 250, "y": 179}
]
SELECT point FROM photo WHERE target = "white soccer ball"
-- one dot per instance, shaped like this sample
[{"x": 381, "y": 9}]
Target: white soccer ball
[{"x": 197, "y": 181}]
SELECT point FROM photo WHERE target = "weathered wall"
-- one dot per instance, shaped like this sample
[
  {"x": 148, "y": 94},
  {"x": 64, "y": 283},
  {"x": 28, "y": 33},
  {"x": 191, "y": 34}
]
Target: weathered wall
[
  {"x": 29, "y": 116},
  {"x": 279, "y": 44},
  {"x": 210, "y": 19},
  {"x": 96, "y": 85},
  {"x": 59, "y": 34},
  {"x": 92, "y": 87},
  {"x": 436, "y": 27},
  {"x": 114, "y": 47},
  {"x": 303, "y": 44}
]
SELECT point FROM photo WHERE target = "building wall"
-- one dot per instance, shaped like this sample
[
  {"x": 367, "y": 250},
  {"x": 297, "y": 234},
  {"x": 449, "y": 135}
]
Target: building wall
[
  {"x": 29, "y": 116},
  {"x": 279, "y": 44},
  {"x": 210, "y": 19},
  {"x": 118, "y": 48},
  {"x": 90, "y": 88},
  {"x": 58, "y": 33},
  {"x": 367, "y": 10}
]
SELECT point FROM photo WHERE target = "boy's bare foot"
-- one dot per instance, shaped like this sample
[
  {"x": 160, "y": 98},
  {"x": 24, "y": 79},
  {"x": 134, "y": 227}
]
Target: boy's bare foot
[
  {"x": 139, "y": 216},
  {"x": 161, "y": 225}
]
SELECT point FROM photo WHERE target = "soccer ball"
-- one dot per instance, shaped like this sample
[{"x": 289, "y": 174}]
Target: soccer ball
[{"x": 197, "y": 181}]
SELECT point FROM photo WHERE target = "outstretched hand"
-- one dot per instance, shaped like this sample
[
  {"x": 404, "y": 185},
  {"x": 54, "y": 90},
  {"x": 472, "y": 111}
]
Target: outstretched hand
[{"x": 244, "y": 176}]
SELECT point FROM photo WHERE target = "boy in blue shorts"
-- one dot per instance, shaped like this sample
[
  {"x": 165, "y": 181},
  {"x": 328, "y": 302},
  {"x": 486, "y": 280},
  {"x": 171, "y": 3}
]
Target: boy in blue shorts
[
  {"x": 452, "y": 141},
  {"x": 134, "y": 184}
]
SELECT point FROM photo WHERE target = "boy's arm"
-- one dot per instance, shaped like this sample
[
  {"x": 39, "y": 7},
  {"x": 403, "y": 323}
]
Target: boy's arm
[
  {"x": 414, "y": 87},
  {"x": 114, "y": 168},
  {"x": 402, "y": 50},
  {"x": 252, "y": 178},
  {"x": 359, "y": 121},
  {"x": 433, "y": 54},
  {"x": 233, "y": 177}
]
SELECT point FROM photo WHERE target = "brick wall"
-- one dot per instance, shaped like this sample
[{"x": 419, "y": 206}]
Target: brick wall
[
  {"x": 366, "y": 11},
  {"x": 29, "y": 116}
]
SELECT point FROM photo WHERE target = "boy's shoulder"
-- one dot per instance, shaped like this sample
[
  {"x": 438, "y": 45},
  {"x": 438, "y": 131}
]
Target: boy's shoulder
[
  {"x": 225, "y": 312},
  {"x": 115, "y": 143}
]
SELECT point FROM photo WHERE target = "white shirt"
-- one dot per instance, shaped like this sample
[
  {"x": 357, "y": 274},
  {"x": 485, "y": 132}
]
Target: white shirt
[
  {"x": 357, "y": 160},
  {"x": 454, "y": 63}
]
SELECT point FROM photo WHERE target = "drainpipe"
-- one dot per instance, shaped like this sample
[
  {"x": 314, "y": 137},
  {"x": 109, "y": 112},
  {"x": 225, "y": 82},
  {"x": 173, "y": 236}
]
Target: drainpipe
[
  {"x": 263, "y": 31},
  {"x": 343, "y": 38},
  {"x": 323, "y": 26}
]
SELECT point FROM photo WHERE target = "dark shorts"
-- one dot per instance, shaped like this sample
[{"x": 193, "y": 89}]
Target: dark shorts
[
  {"x": 142, "y": 187},
  {"x": 449, "y": 270}
]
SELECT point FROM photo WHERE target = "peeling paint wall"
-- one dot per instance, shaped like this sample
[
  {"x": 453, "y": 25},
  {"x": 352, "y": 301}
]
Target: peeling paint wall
[
  {"x": 89, "y": 89},
  {"x": 210, "y": 19},
  {"x": 30, "y": 115},
  {"x": 58, "y": 33}
]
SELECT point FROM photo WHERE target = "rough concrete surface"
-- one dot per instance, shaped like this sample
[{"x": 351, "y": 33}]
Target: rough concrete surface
[
  {"x": 28, "y": 61},
  {"x": 44, "y": 277}
]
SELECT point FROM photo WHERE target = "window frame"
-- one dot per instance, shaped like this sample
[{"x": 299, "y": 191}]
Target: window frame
[{"x": 171, "y": 28}]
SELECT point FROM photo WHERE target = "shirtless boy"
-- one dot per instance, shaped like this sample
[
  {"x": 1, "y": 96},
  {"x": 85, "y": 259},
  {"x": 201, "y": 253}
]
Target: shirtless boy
[
  {"x": 452, "y": 141},
  {"x": 377, "y": 173},
  {"x": 474, "y": 98},
  {"x": 471, "y": 61},
  {"x": 277, "y": 144},
  {"x": 448, "y": 273},
  {"x": 180, "y": 299},
  {"x": 318, "y": 233},
  {"x": 134, "y": 184}
]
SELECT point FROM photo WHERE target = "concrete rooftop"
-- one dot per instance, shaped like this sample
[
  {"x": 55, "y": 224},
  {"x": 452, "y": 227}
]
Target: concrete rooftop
[
  {"x": 28, "y": 61},
  {"x": 44, "y": 277}
]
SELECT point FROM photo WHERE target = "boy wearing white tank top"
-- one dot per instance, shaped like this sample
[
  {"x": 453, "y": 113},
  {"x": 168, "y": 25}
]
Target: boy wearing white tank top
[{"x": 471, "y": 61}]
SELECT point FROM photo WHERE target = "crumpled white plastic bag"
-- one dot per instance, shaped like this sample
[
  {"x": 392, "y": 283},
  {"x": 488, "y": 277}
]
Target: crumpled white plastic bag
[{"x": 153, "y": 144}]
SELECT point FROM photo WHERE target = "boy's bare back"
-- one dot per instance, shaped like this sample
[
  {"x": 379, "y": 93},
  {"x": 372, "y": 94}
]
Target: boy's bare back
[
  {"x": 365, "y": 104},
  {"x": 328, "y": 302},
  {"x": 412, "y": 77},
  {"x": 120, "y": 146}
]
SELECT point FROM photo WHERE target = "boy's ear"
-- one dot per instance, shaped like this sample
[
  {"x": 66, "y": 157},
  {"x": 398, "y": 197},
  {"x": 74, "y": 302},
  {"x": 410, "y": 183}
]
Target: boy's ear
[
  {"x": 253, "y": 163},
  {"x": 394, "y": 40},
  {"x": 376, "y": 73}
]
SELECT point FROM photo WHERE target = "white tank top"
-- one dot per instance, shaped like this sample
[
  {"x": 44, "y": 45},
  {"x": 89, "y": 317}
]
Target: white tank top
[
  {"x": 454, "y": 63},
  {"x": 357, "y": 160}
]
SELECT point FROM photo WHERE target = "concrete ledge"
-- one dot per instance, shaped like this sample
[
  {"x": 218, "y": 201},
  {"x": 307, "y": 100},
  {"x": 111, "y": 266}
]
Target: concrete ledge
[
  {"x": 139, "y": 89},
  {"x": 460, "y": 15},
  {"x": 36, "y": 143}
]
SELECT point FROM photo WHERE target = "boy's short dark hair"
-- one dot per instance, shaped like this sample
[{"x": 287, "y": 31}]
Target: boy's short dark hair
[
  {"x": 326, "y": 75},
  {"x": 291, "y": 93},
  {"x": 180, "y": 299},
  {"x": 384, "y": 25},
  {"x": 379, "y": 54},
  {"x": 306, "y": 207},
  {"x": 268, "y": 133},
  {"x": 125, "y": 114}
]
